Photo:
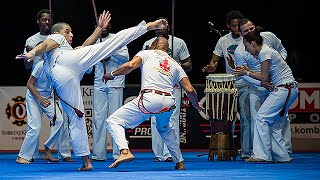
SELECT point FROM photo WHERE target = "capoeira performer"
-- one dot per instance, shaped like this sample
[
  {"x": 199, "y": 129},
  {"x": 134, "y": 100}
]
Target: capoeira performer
[
  {"x": 66, "y": 66},
  {"x": 159, "y": 74},
  {"x": 268, "y": 142}
]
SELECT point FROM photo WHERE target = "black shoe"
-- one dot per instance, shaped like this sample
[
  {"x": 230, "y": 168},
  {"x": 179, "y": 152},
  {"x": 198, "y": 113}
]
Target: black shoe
[
  {"x": 169, "y": 159},
  {"x": 157, "y": 159}
]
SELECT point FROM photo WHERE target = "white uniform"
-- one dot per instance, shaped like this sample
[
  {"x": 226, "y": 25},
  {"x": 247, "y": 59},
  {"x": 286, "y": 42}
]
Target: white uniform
[
  {"x": 269, "y": 143},
  {"x": 35, "y": 111},
  {"x": 66, "y": 66},
  {"x": 257, "y": 93},
  {"x": 180, "y": 52},
  {"x": 107, "y": 98},
  {"x": 226, "y": 46},
  {"x": 159, "y": 72},
  {"x": 63, "y": 143},
  {"x": 33, "y": 41}
]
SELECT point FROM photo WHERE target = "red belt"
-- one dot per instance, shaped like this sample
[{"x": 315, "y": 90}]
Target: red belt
[
  {"x": 289, "y": 87},
  {"x": 155, "y": 91},
  {"x": 165, "y": 109}
]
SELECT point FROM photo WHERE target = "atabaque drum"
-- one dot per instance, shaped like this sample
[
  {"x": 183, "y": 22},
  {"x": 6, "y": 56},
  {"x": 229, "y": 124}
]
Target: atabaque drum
[{"x": 221, "y": 97}]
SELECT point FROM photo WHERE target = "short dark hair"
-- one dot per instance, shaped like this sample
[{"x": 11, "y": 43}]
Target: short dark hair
[
  {"x": 40, "y": 12},
  {"x": 243, "y": 21},
  {"x": 254, "y": 36},
  {"x": 233, "y": 15}
]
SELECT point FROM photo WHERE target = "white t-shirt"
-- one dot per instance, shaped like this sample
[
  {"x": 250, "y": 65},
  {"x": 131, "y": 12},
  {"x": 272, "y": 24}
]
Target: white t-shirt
[
  {"x": 159, "y": 71},
  {"x": 280, "y": 72},
  {"x": 42, "y": 85},
  {"x": 51, "y": 56},
  {"x": 33, "y": 41},
  {"x": 180, "y": 51}
]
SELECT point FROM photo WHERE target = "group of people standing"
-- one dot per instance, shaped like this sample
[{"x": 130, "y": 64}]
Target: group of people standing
[
  {"x": 266, "y": 88},
  {"x": 257, "y": 60}
]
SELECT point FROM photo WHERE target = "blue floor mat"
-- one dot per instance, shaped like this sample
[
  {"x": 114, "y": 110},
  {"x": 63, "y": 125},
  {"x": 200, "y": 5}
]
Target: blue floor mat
[{"x": 303, "y": 166}]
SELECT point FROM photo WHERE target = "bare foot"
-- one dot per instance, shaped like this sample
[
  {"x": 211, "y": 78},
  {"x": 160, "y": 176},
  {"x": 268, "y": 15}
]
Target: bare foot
[
  {"x": 180, "y": 166},
  {"x": 125, "y": 156},
  {"x": 86, "y": 164},
  {"x": 50, "y": 158},
  {"x": 83, "y": 168},
  {"x": 48, "y": 155},
  {"x": 20, "y": 160}
]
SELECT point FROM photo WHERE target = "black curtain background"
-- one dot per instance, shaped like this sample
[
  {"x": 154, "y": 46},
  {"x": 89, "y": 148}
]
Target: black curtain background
[{"x": 287, "y": 19}]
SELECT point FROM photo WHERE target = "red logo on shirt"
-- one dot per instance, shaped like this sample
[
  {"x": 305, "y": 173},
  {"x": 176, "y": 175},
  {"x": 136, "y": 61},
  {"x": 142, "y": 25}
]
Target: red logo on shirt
[{"x": 164, "y": 65}]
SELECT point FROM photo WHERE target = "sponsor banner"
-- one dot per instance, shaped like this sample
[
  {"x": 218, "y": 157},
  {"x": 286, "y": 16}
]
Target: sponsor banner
[
  {"x": 305, "y": 131},
  {"x": 13, "y": 118},
  {"x": 195, "y": 129}
]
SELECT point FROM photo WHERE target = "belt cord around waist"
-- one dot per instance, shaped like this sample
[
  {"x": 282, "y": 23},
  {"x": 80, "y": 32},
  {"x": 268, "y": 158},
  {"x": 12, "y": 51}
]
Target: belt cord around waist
[
  {"x": 54, "y": 118},
  {"x": 78, "y": 112},
  {"x": 165, "y": 109},
  {"x": 287, "y": 86},
  {"x": 55, "y": 103}
]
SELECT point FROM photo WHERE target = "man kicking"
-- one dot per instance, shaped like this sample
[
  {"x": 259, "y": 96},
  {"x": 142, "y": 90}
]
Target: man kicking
[{"x": 66, "y": 66}]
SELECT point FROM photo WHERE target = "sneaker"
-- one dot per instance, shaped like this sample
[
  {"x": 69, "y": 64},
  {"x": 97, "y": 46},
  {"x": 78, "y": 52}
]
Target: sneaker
[
  {"x": 180, "y": 166},
  {"x": 157, "y": 159},
  {"x": 68, "y": 159},
  {"x": 169, "y": 159}
]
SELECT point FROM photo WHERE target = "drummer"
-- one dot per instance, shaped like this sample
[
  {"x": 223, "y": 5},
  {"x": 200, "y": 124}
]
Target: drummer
[{"x": 225, "y": 47}]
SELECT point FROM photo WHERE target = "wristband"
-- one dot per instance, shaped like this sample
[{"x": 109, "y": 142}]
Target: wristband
[
  {"x": 111, "y": 73},
  {"x": 34, "y": 53},
  {"x": 248, "y": 73}
]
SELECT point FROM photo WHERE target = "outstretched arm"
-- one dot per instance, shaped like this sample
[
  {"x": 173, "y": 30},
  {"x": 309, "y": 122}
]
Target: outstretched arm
[
  {"x": 45, "y": 46},
  {"x": 157, "y": 24},
  {"x": 103, "y": 22},
  {"x": 123, "y": 69}
]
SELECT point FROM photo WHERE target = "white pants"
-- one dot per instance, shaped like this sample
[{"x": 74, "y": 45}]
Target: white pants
[
  {"x": 257, "y": 97},
  {"x": 159, "y": 148},
  {"x": 268, "y": 142},
  {"x": 245, "y": 121},
  {"x": 63, "y": 142},
  {"x": 68, "y": 71},
  {"x": 130, "y": 116},
  {"x": 34, "y": 115},
  {"x": 106, "y": 100}
]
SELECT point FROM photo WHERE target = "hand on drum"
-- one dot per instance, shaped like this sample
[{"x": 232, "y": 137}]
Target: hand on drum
[{"x": 210, "y": 68}]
